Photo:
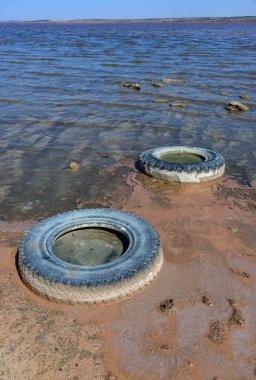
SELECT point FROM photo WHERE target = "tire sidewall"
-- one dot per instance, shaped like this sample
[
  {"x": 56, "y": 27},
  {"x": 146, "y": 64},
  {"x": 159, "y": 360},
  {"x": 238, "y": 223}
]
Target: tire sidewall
[
  {"x": 36, "y": 253},
  {"x": 212, "y": 167}
]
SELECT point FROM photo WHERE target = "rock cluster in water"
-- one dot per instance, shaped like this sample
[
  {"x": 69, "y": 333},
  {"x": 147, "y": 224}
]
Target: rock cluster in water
[
  {"x": 160, "y": 101},
  {"x": 235, "y": 106},
  {"x": 173, "y": 80},
  {"x": 180, "y": 105},
  {"x": 231, "y": 106},
  {"x": 165, "y": 81},
  {"x": 74, "y": 166},
  {"x": 245, "y": 97},
  {"x": 134, "y": 86},
  {"x": 156, "y": 84}
]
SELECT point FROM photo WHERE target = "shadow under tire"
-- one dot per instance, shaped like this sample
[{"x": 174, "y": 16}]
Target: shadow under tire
[
  {"x": 211, "y": 167},
  {"x": 52, "y": 278}
]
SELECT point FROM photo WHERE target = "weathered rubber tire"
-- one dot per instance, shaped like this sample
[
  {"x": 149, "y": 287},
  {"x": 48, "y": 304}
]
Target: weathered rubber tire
[
  {"x": 212, "y": 167},
  {"x": 60, "y": 281}
]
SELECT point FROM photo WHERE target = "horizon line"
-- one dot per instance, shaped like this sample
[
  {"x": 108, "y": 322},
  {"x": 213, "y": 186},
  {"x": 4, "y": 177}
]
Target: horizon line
[{"x": 130, "y": 19}]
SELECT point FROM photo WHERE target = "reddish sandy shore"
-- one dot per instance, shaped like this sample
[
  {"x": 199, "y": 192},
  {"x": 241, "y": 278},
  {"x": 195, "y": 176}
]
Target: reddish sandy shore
[{"x": 209, "y": 332}]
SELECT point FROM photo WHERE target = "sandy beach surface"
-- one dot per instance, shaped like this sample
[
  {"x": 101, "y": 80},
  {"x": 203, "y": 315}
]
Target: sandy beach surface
[{"x": 208, "y": 283}]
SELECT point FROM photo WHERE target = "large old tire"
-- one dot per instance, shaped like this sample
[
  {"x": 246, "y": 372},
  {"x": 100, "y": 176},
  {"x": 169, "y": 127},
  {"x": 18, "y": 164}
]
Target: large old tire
[
  {"x": 61, "y": 281},
  {"x": 211, "y": 167}
]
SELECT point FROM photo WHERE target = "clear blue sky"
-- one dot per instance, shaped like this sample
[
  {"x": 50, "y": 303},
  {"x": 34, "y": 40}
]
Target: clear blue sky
[{"x": 74, "y": 9}]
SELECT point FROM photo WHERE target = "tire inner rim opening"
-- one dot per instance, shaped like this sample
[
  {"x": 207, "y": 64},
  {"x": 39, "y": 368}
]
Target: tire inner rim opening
[
  {"x": 90, "y": 246},
  {"x": 182, "y": 157}
]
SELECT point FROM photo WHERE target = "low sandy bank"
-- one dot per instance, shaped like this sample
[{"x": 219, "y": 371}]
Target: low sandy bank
[{"x": 209, "y": 243}]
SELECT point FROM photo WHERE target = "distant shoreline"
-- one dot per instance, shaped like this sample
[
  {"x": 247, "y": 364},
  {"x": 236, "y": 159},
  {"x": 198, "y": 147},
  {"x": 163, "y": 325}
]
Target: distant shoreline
[{"x": 137, "y": 21}]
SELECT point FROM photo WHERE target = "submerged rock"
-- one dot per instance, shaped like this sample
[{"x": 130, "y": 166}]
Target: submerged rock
[
  {"x": 174, "y": 80},
  {"x": 74, "y": 166},
  {"x": 235, "y": 106},
  {"x": 160, "y": 101},
  {"x": 180, "y": 105},
  {"x": 245, "y": 97},
  {"x": 134, "y": 86},
  {"x": 224, "y": 93},
  {"x": 158, "y": 84}
]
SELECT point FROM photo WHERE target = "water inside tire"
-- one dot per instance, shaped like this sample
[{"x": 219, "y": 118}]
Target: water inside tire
[
  {"x": 90, "y": 246},
  {"x": 182, "y": 158}
]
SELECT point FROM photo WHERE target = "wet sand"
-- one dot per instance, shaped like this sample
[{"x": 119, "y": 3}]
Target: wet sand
[{"x": 209, "y": 274}]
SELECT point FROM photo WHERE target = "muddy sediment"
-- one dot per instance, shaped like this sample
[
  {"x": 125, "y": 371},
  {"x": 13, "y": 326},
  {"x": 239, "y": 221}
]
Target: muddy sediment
[{"x": 205, "y": 230}]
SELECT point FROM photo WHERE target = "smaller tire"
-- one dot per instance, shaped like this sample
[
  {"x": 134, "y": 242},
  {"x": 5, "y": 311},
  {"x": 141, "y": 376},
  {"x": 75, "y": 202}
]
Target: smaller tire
[
  {"x": 51, "y": 277},
  {"x": 211, "y": 165}
]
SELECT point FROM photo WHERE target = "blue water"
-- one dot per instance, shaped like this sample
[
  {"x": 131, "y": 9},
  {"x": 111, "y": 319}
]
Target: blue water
[{"x": 60, "y": 101}]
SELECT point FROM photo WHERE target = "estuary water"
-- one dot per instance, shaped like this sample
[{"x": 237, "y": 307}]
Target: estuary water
[{"x": 60, "y": 101}]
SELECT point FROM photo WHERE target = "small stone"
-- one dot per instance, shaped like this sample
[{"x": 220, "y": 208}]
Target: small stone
[
  {"x": 173, "y": 80},
  {"x": 232, "y": 228},
  {"x": 247, "y": 183},
  {"x": 74, "y": 166},
  {"x": 207, "y": 301},
  {"x": 165, "y": 346},
  {"x": 234, "y": 106},
  {"x": 160, "y": 101},
  {"x": 110, "y": 377},
  {"x": 168, "y": 306},
  {"x": 236, "y": 317},
  {"x": 134, "y": 86},
  {"x": 240, "y": 273},
  {"x": 224, "y": 93},
  {"x": 231, "y": 301},
  {"x": 245, "y": 97},
  {"x": 180, "y": 105},
  {"x": 216, "y": 332},
  {"x": 158, "y": 84}
]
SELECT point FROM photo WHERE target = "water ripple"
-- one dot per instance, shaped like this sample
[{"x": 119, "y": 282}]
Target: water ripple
[{"x": 60, "y": 100}]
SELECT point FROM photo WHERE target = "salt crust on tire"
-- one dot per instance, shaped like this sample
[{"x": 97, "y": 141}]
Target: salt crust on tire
[
  {"x": 212, "y": 167},
  {"x": 60, "y": 281}
]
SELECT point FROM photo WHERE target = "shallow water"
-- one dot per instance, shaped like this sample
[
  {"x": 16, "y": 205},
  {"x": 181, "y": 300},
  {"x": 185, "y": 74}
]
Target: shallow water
[
  {"x": 89, "y": 246},
  {"x": 60, "y": 101},
  {"x": 182, "y": 158}
]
